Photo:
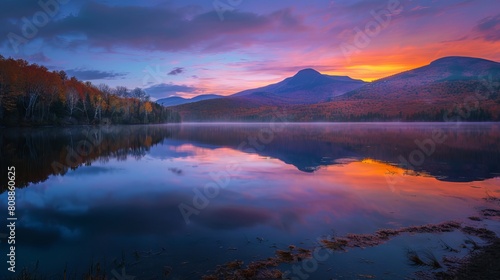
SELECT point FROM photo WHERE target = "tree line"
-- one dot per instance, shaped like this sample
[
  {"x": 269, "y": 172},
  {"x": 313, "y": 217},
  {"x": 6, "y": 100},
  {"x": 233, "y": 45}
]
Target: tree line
[{"x": 30, "y": 94}]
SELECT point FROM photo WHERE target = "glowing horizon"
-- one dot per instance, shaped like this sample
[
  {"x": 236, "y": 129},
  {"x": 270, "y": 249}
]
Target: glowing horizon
[{"x": 192, "y": 47}]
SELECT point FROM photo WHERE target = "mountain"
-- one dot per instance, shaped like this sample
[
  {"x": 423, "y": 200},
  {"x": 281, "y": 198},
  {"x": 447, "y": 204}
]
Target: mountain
[
  {"x": 176, "y": 100},
  {"x": 308, "y": 86},
  {"x": 443, "y": 76},
  {"x": 450, "y": 88}
]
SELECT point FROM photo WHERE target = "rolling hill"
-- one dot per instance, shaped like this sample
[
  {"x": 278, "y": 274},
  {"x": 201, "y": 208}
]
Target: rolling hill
[{"x": 176, "y": 100}]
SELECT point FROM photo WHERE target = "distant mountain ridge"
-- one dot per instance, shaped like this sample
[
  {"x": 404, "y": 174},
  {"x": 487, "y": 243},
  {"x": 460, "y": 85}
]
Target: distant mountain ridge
[
  {"x": 429, "y": 93},
  {"x": 177, "y": 100},
  {"x": 449, "y": 73}
]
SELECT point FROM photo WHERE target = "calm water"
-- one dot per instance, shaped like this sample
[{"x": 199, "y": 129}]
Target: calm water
[{"x": 186, "y": 198}]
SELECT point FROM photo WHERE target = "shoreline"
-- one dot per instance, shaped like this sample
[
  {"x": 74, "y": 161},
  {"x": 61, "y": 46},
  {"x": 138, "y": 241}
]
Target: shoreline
[
  {"x": 471, "y": 266},
  {"x": 479, "y": 264}
]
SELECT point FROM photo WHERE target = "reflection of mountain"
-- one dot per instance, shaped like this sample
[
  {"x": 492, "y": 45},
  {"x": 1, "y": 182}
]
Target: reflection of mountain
[
  {"x": 470, "y": 152},
  {"x": 38, "y": 153}
]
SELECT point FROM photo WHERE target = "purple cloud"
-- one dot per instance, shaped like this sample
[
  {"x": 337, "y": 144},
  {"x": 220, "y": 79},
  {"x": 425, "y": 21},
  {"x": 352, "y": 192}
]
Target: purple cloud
[
  {"x": 489, "y": 28},
  {"x": 87, "y": 75},
  {"x": 176, "y": 71}
]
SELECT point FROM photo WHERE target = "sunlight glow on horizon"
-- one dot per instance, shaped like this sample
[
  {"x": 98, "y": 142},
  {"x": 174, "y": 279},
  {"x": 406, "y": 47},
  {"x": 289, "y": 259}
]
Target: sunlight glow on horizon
[{"x": 185, "y": 49}]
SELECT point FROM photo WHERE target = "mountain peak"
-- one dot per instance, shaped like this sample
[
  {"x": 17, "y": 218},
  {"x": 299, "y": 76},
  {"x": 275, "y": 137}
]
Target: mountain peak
[
  {"x": 305, "y": 77},
  {"x": 307, "y": 73}
]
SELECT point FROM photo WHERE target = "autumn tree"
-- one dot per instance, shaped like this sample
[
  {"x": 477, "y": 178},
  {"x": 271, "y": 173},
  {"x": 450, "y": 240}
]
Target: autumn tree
[
  {"x": 147, "y": 109},
  {"x": 30, "y": 94}
]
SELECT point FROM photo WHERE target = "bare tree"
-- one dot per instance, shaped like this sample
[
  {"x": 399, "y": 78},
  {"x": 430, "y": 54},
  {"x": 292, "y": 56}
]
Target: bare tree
[
  {"x": 140, "y": 94},
  {"x": 98, "y": 104},
  {"x": 72, "y": 100},
  {"x": 31, "y": 98},
  {"x": 122, "y": 91},
  {"x": 104, "y": 88}
]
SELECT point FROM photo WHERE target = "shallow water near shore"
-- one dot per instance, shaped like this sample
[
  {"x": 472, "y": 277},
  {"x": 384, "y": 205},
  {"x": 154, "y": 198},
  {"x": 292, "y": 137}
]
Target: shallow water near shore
[{"x": 178, "y": 200}]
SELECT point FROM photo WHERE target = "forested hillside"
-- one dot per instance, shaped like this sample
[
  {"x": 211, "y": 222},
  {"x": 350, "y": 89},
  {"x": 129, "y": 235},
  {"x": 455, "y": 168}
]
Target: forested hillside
[{"x": 30, "y": 94}]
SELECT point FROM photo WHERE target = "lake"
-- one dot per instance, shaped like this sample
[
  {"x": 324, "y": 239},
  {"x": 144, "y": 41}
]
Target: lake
[{"x": 187, "y": 200}]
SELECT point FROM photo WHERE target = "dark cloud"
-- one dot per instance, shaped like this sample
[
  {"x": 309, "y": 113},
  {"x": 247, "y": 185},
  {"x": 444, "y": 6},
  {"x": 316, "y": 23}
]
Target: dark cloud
[
  {"x": 14, "y": 9},
  {"x": 163, "y": 90},
  {"x": 176, "y": 71},
  {"x": 85, "y": 74},
  {"x": 16, "y": 16},
  {"x": 161, "y": 28},
  {"x": 489, "y": 28}
]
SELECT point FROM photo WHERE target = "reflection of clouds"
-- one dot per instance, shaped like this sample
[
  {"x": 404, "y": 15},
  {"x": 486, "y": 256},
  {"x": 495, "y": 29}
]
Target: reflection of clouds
[
  {"x": 265, "y": 192},
  {"x": 153, "y": 214},
  {"x": 170, "y": 149},
  {"x": 176, "y": 171},
  {"x": 268, "y": 198},
  {"x": 197, "y": 150}
]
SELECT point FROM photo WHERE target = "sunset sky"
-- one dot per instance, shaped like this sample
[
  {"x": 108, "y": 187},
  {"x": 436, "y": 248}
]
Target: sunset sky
[{"x": 193, "y": 47}]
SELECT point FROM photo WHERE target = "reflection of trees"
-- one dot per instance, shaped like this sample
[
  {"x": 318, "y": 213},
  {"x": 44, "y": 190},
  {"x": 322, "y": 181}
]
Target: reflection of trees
[{"x": 34, "y": 151}]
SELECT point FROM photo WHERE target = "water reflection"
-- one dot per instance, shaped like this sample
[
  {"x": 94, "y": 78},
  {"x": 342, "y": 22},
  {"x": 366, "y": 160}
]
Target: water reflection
[
  {"x": 470, "y": 152},
  {"x": 124, "y": 196},
  {"x": 310, "y": 146},
  {"x": 39, "y": 153}
]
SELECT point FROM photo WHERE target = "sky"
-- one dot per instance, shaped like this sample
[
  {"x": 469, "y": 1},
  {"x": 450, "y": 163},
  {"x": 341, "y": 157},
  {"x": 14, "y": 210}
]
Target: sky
[{"x": 191, "y": 47}]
